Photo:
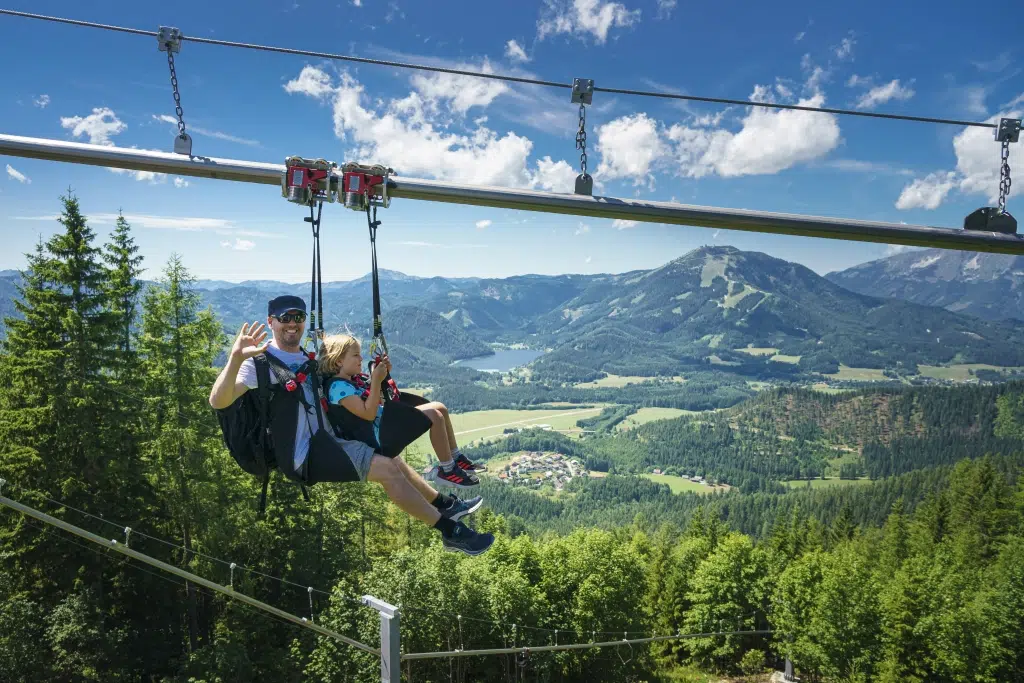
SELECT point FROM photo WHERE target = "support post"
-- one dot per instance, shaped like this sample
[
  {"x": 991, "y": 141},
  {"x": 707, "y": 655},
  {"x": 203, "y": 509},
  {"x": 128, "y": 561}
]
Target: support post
[{"x": 390, "y": 639}]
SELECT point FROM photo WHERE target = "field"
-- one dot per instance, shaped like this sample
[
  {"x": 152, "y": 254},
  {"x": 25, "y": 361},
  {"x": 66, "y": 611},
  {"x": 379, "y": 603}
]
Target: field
[
  {"x": 619, "y": 381},
  {"x": 754, "y": 351},
  {"x": 482, "y": 424},
  {"x": 822, "y": 483},
  {"x": 645, "y": 415},
  {"x": 682, "y": 484},
  {"x": 957, "y": 373},
  {"x": 858, "y": 374}
]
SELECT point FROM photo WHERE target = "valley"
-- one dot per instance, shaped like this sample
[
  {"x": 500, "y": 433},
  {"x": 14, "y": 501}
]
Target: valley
[{"x": 728, "y": 438}]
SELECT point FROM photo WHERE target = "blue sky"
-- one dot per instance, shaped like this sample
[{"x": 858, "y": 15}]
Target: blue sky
[{"x": 919, "y": 58}]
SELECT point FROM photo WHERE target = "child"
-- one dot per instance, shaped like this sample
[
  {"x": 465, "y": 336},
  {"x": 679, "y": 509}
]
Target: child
[{"x": 361, "y": 396}]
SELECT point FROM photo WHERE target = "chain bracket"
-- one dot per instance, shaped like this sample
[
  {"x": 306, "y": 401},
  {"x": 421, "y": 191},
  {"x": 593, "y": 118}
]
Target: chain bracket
[
  {"x": 583, "y": 91},
  {"x": 583, "y": 94},
  {"x": 997, "y": 218},
  {"x": 169, "y": 39},
  {"x": 1008, "y": 130}
]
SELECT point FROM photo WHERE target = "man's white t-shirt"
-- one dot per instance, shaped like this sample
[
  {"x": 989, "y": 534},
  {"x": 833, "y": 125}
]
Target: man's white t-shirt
[{"x": 307, "y": 423}]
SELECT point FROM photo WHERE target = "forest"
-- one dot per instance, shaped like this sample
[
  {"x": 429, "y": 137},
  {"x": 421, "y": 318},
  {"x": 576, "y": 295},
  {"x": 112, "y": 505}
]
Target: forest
[{"x": 104, "y": 422}]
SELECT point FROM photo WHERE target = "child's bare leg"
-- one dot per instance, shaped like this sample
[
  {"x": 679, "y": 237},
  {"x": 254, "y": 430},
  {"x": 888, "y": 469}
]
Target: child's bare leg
[{"x": 438, "y": 433}]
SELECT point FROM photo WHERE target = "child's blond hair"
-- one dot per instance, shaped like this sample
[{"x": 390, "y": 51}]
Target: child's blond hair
[{"x": 333, "y": 350}]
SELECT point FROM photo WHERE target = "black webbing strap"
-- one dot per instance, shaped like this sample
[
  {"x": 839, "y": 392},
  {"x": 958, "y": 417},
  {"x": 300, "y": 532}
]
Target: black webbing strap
[
  {"x": 373, "y": 223},
  {"x": 316, "y": 296},
  {"x": 266, "y": 437},
  {"x": 378, "y": 323}
]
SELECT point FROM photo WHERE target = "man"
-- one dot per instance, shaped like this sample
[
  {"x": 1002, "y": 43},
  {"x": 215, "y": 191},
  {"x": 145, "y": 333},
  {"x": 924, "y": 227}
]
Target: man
[{"x": 312, "y": 458}]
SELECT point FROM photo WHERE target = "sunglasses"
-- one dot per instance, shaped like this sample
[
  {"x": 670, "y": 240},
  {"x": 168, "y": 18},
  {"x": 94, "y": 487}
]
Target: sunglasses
[{"x": 289, "y": 317}]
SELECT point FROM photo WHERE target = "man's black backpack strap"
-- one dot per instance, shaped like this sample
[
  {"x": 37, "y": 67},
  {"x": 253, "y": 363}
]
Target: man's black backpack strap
[{"x": 266, "y": 436}]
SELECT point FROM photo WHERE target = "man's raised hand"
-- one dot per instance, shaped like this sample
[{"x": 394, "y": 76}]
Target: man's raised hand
[{"x": 247, "y": 344}]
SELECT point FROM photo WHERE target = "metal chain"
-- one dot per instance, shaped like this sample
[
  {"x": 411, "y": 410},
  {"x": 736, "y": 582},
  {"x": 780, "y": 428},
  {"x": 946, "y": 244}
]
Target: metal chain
[
  {"x": 581, "y": 140},
  {"x": 177, "y": 97},
  {"x": 1004, "y": 177}
]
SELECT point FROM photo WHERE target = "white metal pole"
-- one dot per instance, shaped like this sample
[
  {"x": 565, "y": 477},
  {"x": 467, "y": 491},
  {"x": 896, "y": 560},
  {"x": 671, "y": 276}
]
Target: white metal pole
[
  {"x": 531, "y": 200},
  {"x": 390, "y": 639}
]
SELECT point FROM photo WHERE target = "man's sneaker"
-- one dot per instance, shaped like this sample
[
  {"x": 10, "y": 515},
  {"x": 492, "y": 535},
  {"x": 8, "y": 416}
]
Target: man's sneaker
[
  {"x": 461, "y": 508},
  {"x": 457, "y": 477},
  {"x": 466, "y": 540},
  {"x": 468, "y": 465}
]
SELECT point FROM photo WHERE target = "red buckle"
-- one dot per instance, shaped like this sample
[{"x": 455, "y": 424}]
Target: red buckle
[
  {"x": 300, "y": 376},
  {"x": 290, "y": 385}
]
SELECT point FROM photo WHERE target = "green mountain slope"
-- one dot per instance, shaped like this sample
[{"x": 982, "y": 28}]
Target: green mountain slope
[{"x": 711, "y": 304}]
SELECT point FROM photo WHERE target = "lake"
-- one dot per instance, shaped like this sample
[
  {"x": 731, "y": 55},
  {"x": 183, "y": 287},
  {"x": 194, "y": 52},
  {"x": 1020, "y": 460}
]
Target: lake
[{"x": 503, "y": 360}]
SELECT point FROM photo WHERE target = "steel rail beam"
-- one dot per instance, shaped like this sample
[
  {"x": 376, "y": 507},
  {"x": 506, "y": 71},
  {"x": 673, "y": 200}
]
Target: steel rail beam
[{"x": 532, "y": 200}]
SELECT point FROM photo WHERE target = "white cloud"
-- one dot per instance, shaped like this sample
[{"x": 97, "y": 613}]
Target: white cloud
[
  {"x": 164, "y": 118},
  {"x": 927, "y": 192},
  {"x": 845, "y": 48},
  {"x": 515, "y": 52},
  {"x": 180, "y": 182},
  {"x": 481, "y": 225},
  {"x": 976, "y": 172},
  {"x": 665, "y": 8},
  {"x": 357, "y": 3},
  {"x": 142, "y": 176},
  {"x": 41, "y": 101},
  {"x": 15, "y": 174},
  {"x": 582, "y": 229},
  {"x": 584, "y": 17},
  {"x": 972, "y": 99},
  {"x": 629, "y": 147},
  {"x": 398, "y": 131},
  {"x": 893, "y": 249},
  {"x": 98, "y": 126},
  {"x": 768, "y": 142},
  {"x": 799, "y": 36},
  {"x": 239, "y": 245},
  {"x": 623, "y": 224},
  {"x": 462, "y": 93},
  {"x": 884, "y": 93},
  {"x": 859, "y": 166},
  {"x": 311, "y": 81},
  {"x": 557, "y": 176}
]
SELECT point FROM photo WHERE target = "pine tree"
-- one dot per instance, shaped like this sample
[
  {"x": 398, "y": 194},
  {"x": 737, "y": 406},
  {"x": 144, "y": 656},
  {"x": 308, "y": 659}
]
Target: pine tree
[
  {"x": 177, "y": 347},
  {"x": 59, "y": 438},
  {"x": 123, "y": 286}
]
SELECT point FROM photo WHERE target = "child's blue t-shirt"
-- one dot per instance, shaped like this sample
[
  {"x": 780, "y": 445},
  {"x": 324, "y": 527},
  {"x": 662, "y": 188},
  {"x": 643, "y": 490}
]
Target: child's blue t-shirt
[{"x": 342, "y": 390}]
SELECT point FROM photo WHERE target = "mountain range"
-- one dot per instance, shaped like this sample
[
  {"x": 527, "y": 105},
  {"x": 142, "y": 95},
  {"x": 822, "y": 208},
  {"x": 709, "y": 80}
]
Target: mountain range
[
  {"x": 712, "y": 308},
  {"x": 989, "y": 286}
]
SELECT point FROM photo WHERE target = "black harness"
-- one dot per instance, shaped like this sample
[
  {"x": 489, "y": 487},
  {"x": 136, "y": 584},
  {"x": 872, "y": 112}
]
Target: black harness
[
  {"x": 400, "y": 422},
  {"x": 286, "y": 397}
]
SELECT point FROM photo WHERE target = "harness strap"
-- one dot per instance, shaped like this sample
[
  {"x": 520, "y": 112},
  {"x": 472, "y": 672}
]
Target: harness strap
[
  {"x": 263, "y": 396},
  {"x": 316, "y": 296},
  {"x": 311, "y": 374},
  {"x": 378, "y": 325},
  {"x": 390, "y": 392}
]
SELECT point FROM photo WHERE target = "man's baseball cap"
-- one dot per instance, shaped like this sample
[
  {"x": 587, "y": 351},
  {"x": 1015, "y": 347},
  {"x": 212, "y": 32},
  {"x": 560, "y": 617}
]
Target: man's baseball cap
[{"x": 283, "y": 304}]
